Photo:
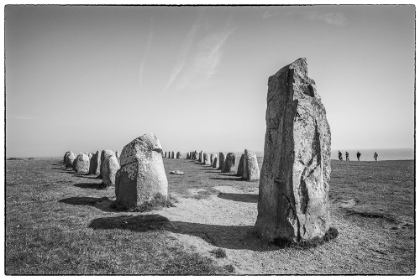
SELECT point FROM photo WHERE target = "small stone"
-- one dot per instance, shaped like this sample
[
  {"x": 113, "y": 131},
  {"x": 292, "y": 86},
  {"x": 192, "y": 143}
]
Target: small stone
[{"x": 177, "y": 172}]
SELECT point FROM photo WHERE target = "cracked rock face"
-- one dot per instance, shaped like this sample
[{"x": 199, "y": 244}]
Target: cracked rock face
[
  {"x": 293, "y": 192},
  {"x": 111, "y": 166},
  {"x": 142, "y": 175},
  {"x": 81, "y": 164},
  {"x": 229, "y": 162}
]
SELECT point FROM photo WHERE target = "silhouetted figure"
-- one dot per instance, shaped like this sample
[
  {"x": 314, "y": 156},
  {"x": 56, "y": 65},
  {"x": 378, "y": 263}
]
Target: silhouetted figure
[
  {"x": 340, "y": 156},
  {"x": 358, "y": 155},
  {"x": 375, "y": 156},
  {"x": 347, "y": 156}
]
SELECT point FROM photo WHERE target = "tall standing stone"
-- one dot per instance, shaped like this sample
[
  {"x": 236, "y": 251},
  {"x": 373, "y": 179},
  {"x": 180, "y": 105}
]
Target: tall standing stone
[
  {"x": 111, "y": 166},
  {"x": 141, "y": 178},
  {"x": 178, "y": 155},
  {"x": 173, "y": 154},
  {"x": 215, "y": 161},
  {"x": 293, "y": 192},
  {"x": 222, "y": 158},
  {"x": 200, "y": 156},
  {"x": 229, "y": 163},
  {"x": 240, "y": 171},
  {"x": 165, "y": 155},
  {"x": 251, "y": 171},
  {"x": 97, "y": 165}
]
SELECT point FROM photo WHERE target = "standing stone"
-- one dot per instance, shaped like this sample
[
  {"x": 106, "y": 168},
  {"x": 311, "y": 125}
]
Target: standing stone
[
  {"x": 142, "y": 178},
  {"x": 211, "y": 159},
  {"x": 240, "y": 171},
  {"x": 178, "y": 155},
  {"x": 97, "y": 165},
  {"x": 222, "y": 158},
  {"x": 251, "y": 170},
  {"x": 92, "y": 164},
  {"x": 173, "y": 154},
  {"x": 66, "y": 154},
  {"x": 104, "y": 155},
  {"x": 206, "y": 159},
  {"x": 165, "y": 155},
  {"x": 200, "y": 156},
  {"x": 111, "y": 166},
  {"x": 229, "y": 163},
  {"x": 215, "y": 161},
  {"x": 81, "y": 164},
  {"x": 293, "y": 192},
  {"x": 70, "y": 159},
  {"x": 90, "y": 155}
]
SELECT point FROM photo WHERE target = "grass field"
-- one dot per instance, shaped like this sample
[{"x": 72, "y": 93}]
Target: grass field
[{"x": 60, "y": 223}]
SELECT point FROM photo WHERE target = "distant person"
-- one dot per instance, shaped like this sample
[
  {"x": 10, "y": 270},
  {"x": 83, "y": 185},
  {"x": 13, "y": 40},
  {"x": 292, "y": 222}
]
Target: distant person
[
  {"x": 347, "y": 156},
  {"x": 358, "y": 155},
  {"x": 340, "y": 156},
  {"x": 375, "y": 156}
]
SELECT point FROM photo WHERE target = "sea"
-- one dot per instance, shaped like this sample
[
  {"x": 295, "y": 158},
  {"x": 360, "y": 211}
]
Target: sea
[{"x": 367, "y": 154}]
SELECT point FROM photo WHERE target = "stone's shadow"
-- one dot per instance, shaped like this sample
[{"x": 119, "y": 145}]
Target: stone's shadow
[
  {"x": 230, "y": 237},
  {"x": 88, "y": 177},
  {"x": 227, "y": 179},
  {"x": 250, "y": 198},
  {"x": 97, "y": 186},
  {"x": 217, "y": 171},
  {"x": 101, "y": 203}
]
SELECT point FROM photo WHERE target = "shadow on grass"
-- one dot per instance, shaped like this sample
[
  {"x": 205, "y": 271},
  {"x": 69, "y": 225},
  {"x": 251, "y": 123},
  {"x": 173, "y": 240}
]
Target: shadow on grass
[
  {"x": 88, "y": 176},
  {"x": 96, "y": 186},
  {"x": 231, "y": 237},
  {"x": 227, "y": 179},
  {"x": 101, "y": 203},
  {"x": 250, "y": 198},
  {"x": 216, "y": 171}
]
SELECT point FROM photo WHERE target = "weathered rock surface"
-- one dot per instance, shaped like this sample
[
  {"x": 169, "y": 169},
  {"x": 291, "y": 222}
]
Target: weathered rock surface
[
  {"x": 141, "y": 178},
  {"x": 240, "y": 171},
  {"x": 251, "y": 171},
  {"x": 229, "y": 163},
  {"x": 293, "y": 191},
  {"x": 104, "y": 155},
  {"x": 222, "y": 158},
  {"x": 206, "y": 159},
  {"x": 111, "y": 166},
  {"x": 81, "y": 164},
  {"x": 70, "y": 160}
]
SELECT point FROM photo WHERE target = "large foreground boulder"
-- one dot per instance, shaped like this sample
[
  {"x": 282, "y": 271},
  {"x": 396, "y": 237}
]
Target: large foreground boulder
[
  {"x": 111, "y": 166},
  {"x": 293, "y": 191},
  {"x": 229, "y": 163},
  {"x": 81, "y": 164},
  {"x": 141, "y": 180},
  {"x": 251, "y": 171}
]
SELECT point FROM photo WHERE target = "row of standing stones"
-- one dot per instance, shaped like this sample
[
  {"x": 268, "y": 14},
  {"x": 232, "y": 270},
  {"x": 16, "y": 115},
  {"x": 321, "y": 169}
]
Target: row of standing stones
[
  {"x": 293, "y": 201},
  {"x": 247, "y": 168}
]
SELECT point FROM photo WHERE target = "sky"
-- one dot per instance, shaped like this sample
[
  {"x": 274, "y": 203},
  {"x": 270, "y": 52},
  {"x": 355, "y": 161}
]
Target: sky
[{"x": 88, "y": 78}]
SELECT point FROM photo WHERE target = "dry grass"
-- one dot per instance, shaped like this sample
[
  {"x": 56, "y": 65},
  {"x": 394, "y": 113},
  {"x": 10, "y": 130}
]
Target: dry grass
[{"x": 61, "y": 223}]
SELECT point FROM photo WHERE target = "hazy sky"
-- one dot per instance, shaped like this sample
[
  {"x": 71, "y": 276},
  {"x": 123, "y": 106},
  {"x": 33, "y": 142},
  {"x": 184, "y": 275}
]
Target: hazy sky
[{"x": 89, "y": 78}]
